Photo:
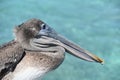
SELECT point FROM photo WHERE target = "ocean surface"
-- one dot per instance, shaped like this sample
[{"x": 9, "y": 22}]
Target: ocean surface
[{"x": 92, "y": 24}]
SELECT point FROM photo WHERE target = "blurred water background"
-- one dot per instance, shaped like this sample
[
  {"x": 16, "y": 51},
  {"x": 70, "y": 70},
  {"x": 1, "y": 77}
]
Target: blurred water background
[{"x": 92, "y": 24}]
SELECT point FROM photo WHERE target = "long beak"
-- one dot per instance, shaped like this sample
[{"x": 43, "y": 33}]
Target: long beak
[
  {"x": 70, "y": 47},
  {"x": 77, "y": 51}
]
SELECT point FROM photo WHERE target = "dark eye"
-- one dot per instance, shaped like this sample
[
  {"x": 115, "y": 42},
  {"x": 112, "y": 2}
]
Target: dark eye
[{"x": 43, "y": 26}]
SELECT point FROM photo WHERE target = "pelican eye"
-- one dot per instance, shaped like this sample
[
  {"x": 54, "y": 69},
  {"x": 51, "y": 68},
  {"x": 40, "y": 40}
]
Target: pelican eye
[{"x": 43, "y": 26}]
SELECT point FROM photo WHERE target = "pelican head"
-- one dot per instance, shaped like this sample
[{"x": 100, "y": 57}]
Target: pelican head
[{"x": 37, "y": 35}]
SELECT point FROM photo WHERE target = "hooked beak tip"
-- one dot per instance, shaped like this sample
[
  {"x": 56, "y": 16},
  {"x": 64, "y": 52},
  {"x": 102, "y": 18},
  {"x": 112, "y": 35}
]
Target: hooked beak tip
[{"x": 99, "y": 60}]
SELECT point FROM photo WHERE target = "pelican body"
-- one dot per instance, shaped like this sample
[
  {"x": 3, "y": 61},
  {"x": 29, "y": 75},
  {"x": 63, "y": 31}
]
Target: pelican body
[{"x": 36, "y": 50}]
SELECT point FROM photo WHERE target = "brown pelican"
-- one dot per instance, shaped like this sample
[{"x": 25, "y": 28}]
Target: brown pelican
[{"x": 36, "y": 50}]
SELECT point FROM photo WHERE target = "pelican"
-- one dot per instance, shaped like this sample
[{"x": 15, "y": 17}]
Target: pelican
[{"x": 36, "y": 50}]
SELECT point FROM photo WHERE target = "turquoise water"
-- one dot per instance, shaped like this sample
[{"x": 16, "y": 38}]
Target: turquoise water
[{"x": 92, "y": 24}]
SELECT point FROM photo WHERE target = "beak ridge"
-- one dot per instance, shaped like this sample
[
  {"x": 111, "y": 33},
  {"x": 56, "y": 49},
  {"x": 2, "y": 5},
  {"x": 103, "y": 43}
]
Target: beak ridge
[
  {"x": 52, "y": 37},
  {"x": 77, "y": 51}
]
